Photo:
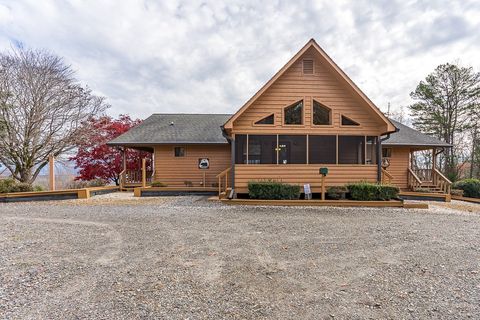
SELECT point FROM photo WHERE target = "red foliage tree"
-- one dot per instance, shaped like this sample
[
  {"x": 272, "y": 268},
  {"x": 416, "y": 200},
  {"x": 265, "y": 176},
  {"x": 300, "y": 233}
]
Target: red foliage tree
[{"x": 97, "y": 160}]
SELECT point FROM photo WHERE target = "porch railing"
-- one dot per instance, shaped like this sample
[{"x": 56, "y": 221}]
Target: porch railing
[
  {"x": 429, "y": 179},
  {"x": 442, "y": 182},
  {"x": 223, "y": 182},
  {"x": 134, "y": 177},
  {"x": 423, "y": 174},
  {"x": 414, "y": 181}
]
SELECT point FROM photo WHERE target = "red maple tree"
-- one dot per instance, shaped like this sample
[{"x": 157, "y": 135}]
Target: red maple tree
[{"x": 97, "y": 160}]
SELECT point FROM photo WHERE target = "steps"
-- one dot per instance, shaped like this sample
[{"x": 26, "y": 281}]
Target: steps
[
  {"x": 224, "y": 194},
  {"x": 430, "y": 188}
]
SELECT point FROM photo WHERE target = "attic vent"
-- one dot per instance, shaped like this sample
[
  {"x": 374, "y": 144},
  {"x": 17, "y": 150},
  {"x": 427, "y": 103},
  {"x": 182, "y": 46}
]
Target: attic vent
[{"x": 307, "y": 66}]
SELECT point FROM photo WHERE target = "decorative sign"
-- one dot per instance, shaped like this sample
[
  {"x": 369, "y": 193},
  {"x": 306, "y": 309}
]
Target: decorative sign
[
  {"x": 203, "y": 163},
  {"x": 323, "y": 171},
  {"x": 308, "y": 191}
]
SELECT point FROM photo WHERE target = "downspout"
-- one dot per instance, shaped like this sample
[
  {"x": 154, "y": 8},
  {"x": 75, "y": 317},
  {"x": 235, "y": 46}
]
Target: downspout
[
  {"x": 379, "y": 155},
  {"x": 230, "y": 139}
]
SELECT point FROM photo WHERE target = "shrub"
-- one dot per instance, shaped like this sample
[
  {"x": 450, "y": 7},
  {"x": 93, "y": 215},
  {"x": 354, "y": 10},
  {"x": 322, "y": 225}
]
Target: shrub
[
  {"x": 273, "y": 190},
  {"x": 10, "y": 185},
  {"x": 81, "y": 184},
  {"x": 38, "y": 188},
  {"x": 456, "y": 192},
  {"x": 470, "y": 187},
  {"x": 337, "y": 192},
  {"x": 365, "y": 191},
  {"x": 158, "y": 184}
]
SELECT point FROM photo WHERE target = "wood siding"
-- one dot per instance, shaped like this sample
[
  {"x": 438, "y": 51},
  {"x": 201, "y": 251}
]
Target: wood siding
[
  {"x": 398, "y": 168},
  {"x": 174, "y": 171},
  {"x": 323, "y": 86},
  {"x": 303, "y": 173}
]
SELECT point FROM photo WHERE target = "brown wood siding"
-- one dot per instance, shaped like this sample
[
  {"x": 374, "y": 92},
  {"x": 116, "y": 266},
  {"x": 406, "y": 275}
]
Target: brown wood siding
[
  {"x": 174, "y": 171},
  {"x": 324, "y": 86},
  {"x": 303, "y": 173},
  {"x": 398, "y": 168}
]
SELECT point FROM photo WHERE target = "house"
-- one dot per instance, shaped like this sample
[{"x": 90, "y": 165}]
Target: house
[{"x": 307, "y": 116}]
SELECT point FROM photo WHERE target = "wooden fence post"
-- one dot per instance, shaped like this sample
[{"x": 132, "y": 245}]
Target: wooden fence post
[
  {"x": 144, "y": 172},
  {"x": 51, "y": 172}
]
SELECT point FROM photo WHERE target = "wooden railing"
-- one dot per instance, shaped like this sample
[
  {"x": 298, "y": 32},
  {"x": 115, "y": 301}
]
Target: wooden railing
[
  {"x": 223, "y": 177},
  {"x": 423, "y": 174},
  {"x": 386, "y": 177},
  {"x": 414, "y": 181},
  {"x": 441, "y": 181},
  {"x": 135, "y": 176}
]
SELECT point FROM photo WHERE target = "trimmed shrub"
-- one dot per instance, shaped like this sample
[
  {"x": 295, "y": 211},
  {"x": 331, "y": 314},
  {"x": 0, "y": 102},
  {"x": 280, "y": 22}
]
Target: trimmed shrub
[
  {"x": 158, "y": 184},
  {"x": 470, "y": 187},
  {"x": 337, "y": 192},
  {"x": 273, "y": 190},
  {"x": 81, "y": 184},
  {"x": 10, "y": 185},
  {"x": 365, "y": 191},
  {"x": 456, "y": 192}
]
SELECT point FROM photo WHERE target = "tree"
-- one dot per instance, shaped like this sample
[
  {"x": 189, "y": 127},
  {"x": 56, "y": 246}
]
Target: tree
[
  {"x": 44, "y": 110},
  {"x": 96, "y": 160},
  {"x": 444, "y": 101}
]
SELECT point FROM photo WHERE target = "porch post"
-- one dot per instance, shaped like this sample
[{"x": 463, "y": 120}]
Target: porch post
[
  {"x": 232, "y": 161},
  {"x": 379, "y": 160},
  {"x": 51, "y": 172},
  {"x": 144, "y": 172}
]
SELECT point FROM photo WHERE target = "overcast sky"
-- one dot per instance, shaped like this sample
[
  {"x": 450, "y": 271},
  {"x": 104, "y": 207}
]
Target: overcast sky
[{"x": 208, "y": 57}]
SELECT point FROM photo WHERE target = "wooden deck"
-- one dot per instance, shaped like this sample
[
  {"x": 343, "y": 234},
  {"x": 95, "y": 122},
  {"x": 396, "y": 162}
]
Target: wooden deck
[{"x": 412, "y": 195}]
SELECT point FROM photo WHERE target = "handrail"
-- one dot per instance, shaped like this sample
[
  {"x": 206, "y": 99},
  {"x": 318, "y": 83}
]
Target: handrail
[
  {"x": 223, "y": 174},
  {"x": 444, "y": 184},
  {"x": 416, "y": 183},
  {"x": 388, "y": 175},
  {"x": 122, "y": 178}
]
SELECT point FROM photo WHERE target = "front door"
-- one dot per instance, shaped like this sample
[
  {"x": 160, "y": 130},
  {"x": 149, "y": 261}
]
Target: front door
[{"x": 283, "y": 152}]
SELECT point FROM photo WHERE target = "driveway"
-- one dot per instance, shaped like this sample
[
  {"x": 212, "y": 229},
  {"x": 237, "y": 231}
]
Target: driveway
[{"x": 115, "y": 257}]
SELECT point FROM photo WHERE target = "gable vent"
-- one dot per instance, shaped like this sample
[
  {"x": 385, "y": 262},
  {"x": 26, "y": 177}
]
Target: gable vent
[{"x": 308, "y": 66}]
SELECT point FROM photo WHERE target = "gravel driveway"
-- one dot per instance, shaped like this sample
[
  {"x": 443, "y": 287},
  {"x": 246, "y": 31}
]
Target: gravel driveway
[{"x": 113, "y": 257}]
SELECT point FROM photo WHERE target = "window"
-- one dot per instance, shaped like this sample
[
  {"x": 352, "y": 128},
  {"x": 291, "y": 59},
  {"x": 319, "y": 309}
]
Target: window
[
  {"x": 348, "y": 122},
  {"x": 386, "y": 152},
  {"x": 262, "y": 149},
  {"x": 179, "y": 151},
  {"x": 266, "y": 120},
  {"x": 308, "y": 66},
  {"x": 371, "y": 156},
  {"x": 292, "y": 149},
  {"x": 322, "y": 149},
  {"x": 240, "y": 149},
  {"x": 294, "y": 114},
  {"x": 351, "y": 149},
  {"x": 321, "y": 114}
]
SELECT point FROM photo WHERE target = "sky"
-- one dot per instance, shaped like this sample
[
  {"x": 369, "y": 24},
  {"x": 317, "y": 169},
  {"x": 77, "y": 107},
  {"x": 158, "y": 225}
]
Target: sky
[{"x": 212, "y": 56}]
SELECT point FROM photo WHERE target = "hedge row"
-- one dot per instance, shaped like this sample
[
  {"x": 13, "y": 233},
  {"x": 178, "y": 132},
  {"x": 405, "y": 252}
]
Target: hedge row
[
  {"x": 363, "y": 191},
  {"x": 470, "y": 187},
  {"x": 10, "y": 185}
]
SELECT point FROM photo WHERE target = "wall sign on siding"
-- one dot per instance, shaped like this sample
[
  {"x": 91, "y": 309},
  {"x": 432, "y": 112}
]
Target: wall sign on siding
[{"x": 203, "y": 163}]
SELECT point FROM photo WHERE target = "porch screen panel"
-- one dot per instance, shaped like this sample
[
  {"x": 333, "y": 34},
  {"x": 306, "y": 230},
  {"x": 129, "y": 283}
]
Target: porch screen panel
[
  {"x": 371, "y": 157},
  {"x": 322, "y": 149},
  {"x": 262, "y": 149},
  {"x": 241, "y": 149},
  {"x": 351, "y": 149},
  {"x": 292, "y": 149}
]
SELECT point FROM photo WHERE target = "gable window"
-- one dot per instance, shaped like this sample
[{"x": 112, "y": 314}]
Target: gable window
[
  {"x": 179, "y": 151},
  {"x": 293, "y": 114},
  {"x": 267, "y": 120},
  {"x": 308, "y": 66},
  {"x": 321, "y": 114},
  {"x": 348, "y": 122}
]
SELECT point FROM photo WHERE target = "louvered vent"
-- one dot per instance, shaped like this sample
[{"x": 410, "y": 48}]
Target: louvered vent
[{"x": 307, "y": 66}]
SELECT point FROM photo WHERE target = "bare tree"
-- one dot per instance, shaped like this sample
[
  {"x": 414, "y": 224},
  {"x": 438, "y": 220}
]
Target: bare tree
[{"x": 44, "y": 110}]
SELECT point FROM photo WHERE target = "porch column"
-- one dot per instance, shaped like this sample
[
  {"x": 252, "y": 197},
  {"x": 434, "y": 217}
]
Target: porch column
[
  {"x": 232, "y": 170},
  {"x": 51, "y": 172},
  {"x": 434, "y": 158},
  {"x": 379, "y": 160}
]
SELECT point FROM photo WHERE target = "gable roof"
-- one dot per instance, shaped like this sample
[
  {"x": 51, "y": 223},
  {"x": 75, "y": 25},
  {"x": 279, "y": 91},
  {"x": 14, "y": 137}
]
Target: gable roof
[
  {"x": 167, "y": 128},
  {"x": 312, "y": 44},
  {"x": 406, "y": 136}
]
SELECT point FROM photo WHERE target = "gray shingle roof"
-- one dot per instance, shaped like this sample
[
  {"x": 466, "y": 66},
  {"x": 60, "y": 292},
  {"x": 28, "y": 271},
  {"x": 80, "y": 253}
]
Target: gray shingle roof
[
  {"x": 407, "y": 136},
  {"x": 164, "y": 128}
]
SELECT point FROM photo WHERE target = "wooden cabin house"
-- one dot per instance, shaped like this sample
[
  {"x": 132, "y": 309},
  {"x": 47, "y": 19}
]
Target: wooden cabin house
[{"x": 309, "y": 115}]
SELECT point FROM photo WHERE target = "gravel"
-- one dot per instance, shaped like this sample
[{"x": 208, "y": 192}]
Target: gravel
[{"x": 117, "y": 257}]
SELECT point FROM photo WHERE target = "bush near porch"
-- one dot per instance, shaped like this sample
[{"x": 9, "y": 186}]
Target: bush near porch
[
  {"x": 365, "y": 191},
  {"x": 10, "y": 185},
  {"x": 273, "y": 190},
  {"x": 470, "y": 187}
]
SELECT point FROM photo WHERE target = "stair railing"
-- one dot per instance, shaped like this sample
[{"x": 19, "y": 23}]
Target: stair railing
[
  {"x": 386, "y": 177},
  {"x": 442, "y": 182},
  {"x": 223, "y": 176},
  {"x": 414, "y": 181}
]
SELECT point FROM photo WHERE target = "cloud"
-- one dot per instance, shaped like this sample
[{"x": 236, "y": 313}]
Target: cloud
[{"x": 212, "y": 56}]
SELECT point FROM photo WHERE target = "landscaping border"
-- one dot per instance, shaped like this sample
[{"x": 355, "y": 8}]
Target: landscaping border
[
  {"x": 329, "y": 203},
  {"x": 411, "y": 195},
  {"x": 84, "y": 193},
  {"x": 467, "y": 199},
  {"x": 173, "y": 191}
]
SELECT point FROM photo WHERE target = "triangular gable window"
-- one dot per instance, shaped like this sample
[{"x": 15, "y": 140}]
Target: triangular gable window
[
  {"x": 321, "y": 114},
  {"x": 348, "y": 122},
  {"x": 293, "y": 114},
  {"x": 267, "y": 120}
]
